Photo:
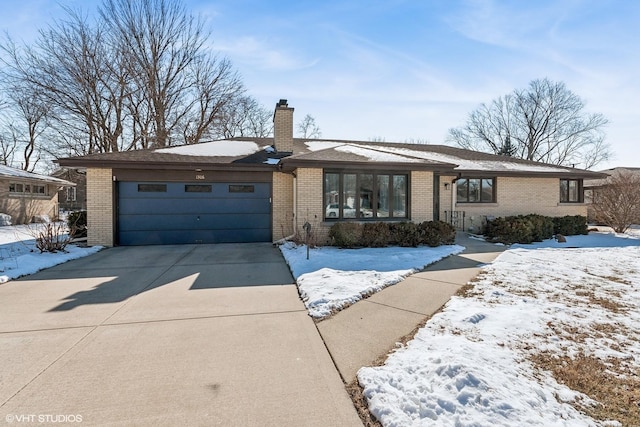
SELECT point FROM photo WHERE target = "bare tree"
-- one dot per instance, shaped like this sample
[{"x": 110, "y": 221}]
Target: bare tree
[
  {"x": 245, "y": 117},
  {"x": 308, "y": 128},
  {"x": 23, "y": 123},
  {"x": 140, "y": 76},
  {"x": 545, "y": 122},
  {"x": 616, "y": 202},
  {"x": 81, "y": 79},
  {"x": 216, "y": 85}
]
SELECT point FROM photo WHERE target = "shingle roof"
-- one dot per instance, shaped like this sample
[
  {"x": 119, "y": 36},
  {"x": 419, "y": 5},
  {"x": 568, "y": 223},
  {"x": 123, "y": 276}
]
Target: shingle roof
[
  {"x": 19, "y": 174},
  {"x": 258, "y": 153},
  {"x": 613, "y": 171}
]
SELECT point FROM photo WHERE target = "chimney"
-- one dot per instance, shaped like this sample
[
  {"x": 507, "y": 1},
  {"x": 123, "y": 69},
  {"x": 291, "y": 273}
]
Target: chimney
[{"x": 283, "y": 127}]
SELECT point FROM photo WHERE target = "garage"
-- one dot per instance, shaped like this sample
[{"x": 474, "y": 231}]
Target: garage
[{"x": 163, "y": 213}]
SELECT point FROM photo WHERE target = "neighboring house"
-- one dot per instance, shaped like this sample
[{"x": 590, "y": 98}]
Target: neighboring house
[
  {"x": 265, "y": 189},
  {"x": 590, "y": 185},
  {"x": 27, "y": 196},
  {"x": 72, "y": 198}
]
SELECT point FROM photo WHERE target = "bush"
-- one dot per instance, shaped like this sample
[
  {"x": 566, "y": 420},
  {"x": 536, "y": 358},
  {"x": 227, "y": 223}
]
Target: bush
[
  {"x": 533, "y": 228},
  {"x": 375, "y": 235},
  {"x": 508, "y": 230},
  {"x": 50, "y": 237},
  {"x": 541, "y": 227},
  {"x": 77, "y": 223},
  {"x": 436, "y": 233},
  {"x": 345, "y": 234},
  {"x": 405, "y": 234},
  {"x": 570, "y": 225}
]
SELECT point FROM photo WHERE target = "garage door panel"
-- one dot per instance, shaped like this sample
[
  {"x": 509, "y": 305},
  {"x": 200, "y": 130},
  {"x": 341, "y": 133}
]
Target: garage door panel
[
  {"x": 201, "y": 222},
  {"x": 180, "y": 213},
  {"x": 182, "y": 206},
  {"x": 178, "y": 237}
]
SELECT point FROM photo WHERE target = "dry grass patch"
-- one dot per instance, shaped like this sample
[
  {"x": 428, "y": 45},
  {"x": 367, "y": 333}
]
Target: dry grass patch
[
  {"x": 614, "y": 387},
  {"x": 360, "y": 403}
]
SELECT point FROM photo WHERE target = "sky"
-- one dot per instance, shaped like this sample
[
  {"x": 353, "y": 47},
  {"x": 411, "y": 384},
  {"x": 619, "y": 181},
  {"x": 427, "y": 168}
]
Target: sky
[{"x": 403, "y": 70}]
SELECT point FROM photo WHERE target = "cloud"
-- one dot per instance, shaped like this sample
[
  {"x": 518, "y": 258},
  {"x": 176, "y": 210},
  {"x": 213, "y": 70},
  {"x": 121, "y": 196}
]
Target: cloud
[{"x": 262, "y": 53}]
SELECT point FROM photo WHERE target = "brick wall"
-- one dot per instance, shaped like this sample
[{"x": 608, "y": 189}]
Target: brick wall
[
  {"x": 421, "y": 195},
  {"x": 283, "y": 128},
  {"x": 282, "y": 205},
  {"x": 309, "y": 199},
  {"x": 521, "y": 196},
  {"x": 100, "y": 224}
]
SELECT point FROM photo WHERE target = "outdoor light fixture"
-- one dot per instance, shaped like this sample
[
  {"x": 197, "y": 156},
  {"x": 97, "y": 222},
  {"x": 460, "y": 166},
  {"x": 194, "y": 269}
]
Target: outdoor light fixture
[{"x": 446, "y": 185}]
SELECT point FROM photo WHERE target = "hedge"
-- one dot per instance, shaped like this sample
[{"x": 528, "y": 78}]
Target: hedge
[
  {"x": 533, "y": 228},
  {"x": 381, "y": 234}
]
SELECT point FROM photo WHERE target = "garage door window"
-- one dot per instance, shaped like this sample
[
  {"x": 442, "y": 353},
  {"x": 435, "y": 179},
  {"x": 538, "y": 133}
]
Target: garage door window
[
  {"x": 241, "y": 189},
  {"x": 194, "y": 188},
  {"x": 152, "y": 188}
]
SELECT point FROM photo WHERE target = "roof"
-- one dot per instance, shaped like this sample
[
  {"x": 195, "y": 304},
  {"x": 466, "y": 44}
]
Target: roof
[
  {"x": 19, "y": 174},
  {"x": 613, "y": 171},
  {"x": 258, "y": 153}
]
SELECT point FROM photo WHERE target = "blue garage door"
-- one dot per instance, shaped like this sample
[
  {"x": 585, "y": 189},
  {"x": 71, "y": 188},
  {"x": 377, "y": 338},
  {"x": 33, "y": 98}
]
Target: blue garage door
[{"x": 153, "y": 213}]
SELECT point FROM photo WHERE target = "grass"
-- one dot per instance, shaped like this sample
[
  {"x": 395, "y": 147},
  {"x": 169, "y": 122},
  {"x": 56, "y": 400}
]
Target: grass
[{"x": 614, "y": 387}]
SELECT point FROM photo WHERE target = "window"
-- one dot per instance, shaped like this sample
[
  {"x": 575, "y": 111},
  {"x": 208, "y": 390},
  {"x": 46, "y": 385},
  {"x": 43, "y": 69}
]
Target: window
[
  {"x": 152, "y": 188},
  {"x": 365, "y": 195},
  {"x": 197, "y": 188},
  {"x": 71, "y": 194},
  {"x": 38, "y": 190},
  {"x": 241, "y": 188},
  {"x": 16, "y": 188},
  {"x": 476, "y": 190},
  {"x": 571, "y": 191}
]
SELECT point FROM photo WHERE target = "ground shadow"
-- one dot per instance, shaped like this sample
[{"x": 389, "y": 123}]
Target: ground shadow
[{"x": 126, "y": 282}]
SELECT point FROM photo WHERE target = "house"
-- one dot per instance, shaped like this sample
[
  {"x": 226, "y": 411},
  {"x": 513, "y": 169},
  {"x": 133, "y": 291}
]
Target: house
[
  {"x": 72, "y": 198},
  {"x": 28, "y": 196},
  {"x": 265, "y": 189},
  {"x": 591, "y": 185}
]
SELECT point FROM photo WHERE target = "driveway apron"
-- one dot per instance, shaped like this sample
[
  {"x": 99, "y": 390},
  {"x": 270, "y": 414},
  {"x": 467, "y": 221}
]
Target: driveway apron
[{"x": 166, "y": 335}]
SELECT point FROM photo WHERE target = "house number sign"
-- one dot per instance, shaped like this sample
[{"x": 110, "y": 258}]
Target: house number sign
[{"x": 199, "y": 176}]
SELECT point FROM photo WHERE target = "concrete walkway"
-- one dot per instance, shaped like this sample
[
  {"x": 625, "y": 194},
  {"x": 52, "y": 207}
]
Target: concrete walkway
[
  {"x": 166, "y": 335},
  {"x": 369, "y": 329}
]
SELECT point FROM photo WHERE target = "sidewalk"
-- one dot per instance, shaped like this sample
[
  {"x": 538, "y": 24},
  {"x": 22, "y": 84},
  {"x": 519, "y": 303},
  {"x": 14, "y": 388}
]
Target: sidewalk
[{"x": 360, "y": 334}]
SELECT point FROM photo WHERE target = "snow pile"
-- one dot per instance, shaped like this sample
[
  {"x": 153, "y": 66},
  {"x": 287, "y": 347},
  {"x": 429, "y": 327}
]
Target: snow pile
[
  {"x": 333, "y": 278},
  {"x": 214, "y": 149},
  {"x": 20, "y": 257},
  {"x": 469, "y": 365}
]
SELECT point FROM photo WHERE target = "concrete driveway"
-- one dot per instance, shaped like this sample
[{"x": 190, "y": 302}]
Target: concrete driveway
[{"x": 166, "y": 335}]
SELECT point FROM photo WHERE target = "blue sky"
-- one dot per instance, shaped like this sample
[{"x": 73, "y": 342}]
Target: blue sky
[{"x": 413, "y": 69}]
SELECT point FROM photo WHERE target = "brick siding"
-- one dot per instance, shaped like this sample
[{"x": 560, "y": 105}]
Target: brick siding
[
  {"x": 100, "y": 226},
  {"x": 282, "y": 205},
  {"x": 515, "y": 196}
]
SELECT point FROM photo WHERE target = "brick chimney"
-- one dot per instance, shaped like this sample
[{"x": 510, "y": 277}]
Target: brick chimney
[{"x": 283, "y": 127}]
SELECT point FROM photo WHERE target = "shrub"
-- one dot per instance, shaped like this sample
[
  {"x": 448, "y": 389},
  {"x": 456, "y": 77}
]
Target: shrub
[
  {"x": 375, "y": 235},
  {"x": 405, "y": 234},
  {"x": 533, "y": 228},
  {"x": 345, "y": 234},
  {"x": 436, "y": 233},
  {"x": 509, "y": 230},
  {"x": 541, "y": 227},
  {"x": 77, "y": 223},
  {"x": 50, "y": 237},
  {"x": 570, "y": 225}
]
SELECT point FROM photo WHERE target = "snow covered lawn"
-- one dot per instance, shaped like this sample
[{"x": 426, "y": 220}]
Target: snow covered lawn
[
  {"x": 19, "y": 256},
  {"x": 536, "y": 316},
  {"x": 333, "y": 278}
]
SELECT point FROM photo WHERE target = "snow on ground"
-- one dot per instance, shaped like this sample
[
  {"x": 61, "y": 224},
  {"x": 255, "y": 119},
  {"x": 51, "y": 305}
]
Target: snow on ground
[
  {"x": 469, "y": 365},
  {"x": 20, "y": 257},
  {"x": 333, "y": 278}
]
